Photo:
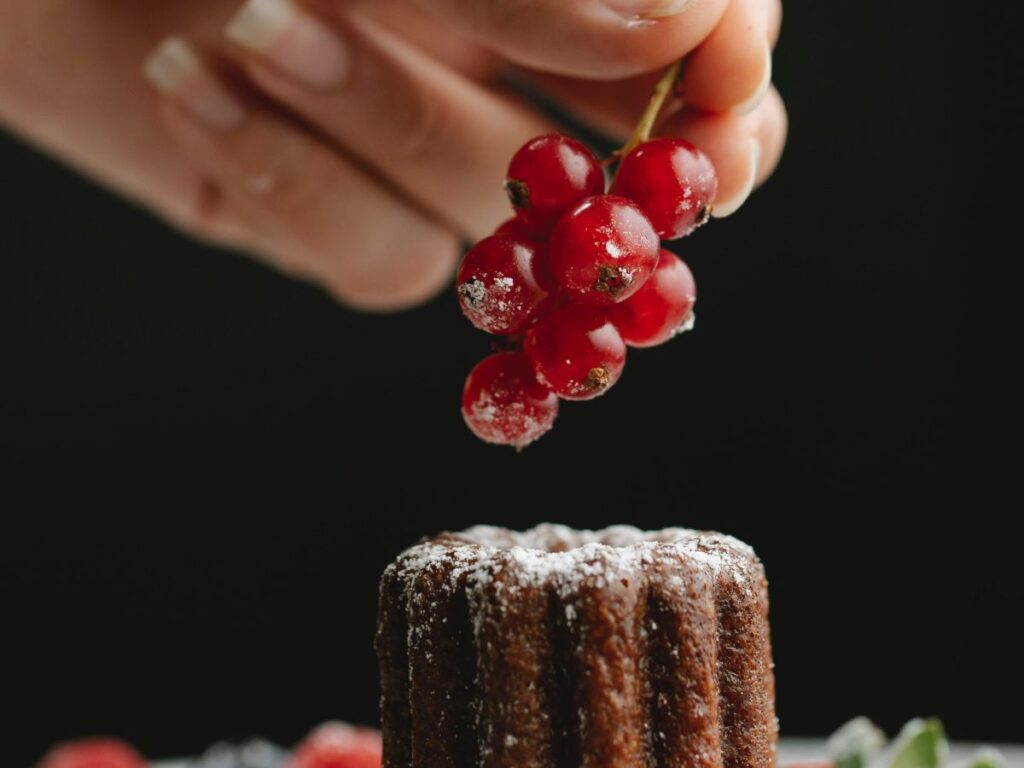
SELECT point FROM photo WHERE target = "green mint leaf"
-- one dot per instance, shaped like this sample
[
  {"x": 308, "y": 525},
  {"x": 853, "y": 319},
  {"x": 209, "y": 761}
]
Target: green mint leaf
[
  {"x": 852, "y": 761},
  {"x": 855, "y": 743},
  {"x": 921, "y": 744}
]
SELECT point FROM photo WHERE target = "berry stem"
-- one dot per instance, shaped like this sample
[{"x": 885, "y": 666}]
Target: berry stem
[{"x": 643, "y": 129}]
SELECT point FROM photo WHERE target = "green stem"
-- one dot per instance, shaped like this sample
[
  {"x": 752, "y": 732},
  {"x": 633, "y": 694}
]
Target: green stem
[{"x": 643, "y": 129}]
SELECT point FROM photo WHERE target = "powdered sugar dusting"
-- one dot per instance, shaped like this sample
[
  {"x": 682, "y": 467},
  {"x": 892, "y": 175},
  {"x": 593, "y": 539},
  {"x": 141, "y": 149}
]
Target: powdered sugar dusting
[
  {"x": 494, "y": 303},
  {"x": 497, "y": 415},
  {"x": 493, "y": 567},
  {"x": 688, "y": 324},
  {"x": 498, "y": 290},
  {"x": 505, "y": 562}
]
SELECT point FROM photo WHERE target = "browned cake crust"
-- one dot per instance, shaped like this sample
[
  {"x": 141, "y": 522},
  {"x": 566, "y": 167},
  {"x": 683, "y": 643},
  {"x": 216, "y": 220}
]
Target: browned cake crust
[{"x": 556, "y": 648}]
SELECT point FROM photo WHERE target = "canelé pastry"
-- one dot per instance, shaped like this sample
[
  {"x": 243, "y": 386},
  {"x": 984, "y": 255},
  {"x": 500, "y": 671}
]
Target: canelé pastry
[{"x": 556, "y": 648}]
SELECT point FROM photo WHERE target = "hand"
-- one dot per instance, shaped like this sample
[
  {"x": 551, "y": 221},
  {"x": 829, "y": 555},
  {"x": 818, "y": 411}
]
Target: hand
[{"x": 354, "y": 144}]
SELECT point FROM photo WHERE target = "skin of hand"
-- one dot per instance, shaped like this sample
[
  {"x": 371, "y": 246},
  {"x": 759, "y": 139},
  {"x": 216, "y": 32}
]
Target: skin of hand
[{"x": 356, "y": 144}]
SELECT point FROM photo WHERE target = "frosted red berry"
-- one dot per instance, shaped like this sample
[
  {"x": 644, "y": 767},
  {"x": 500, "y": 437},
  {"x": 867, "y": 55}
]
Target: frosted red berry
[
  {"x": 338, "y": 745},
  {"x": 662, "y": 308},
  {"x": 673, "y": 181},
  {"x": 516, "y": 227},
  {"x": 503, "y": 284},
  {"x": 503, "y": 403},
  {"x": 92, "y": 753},
  {"x": 603, "y": 250},
  {"x": 576, "y": 352},
  {"x": 548, "y": 175}
]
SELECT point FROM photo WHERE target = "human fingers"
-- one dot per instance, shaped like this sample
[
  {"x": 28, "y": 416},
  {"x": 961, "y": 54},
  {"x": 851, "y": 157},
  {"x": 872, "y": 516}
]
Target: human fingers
[
  {"x": 743, "y": 148},
  {"x": 597, "y": 39},
  {"x": 103, "y": 120},
  {"x": 732, "y": 68},
  {"x": 774, "y": 21},
  {"x": 434, "y": 35},
  {"x": 310, "y": 210},
  {"x": 439, "y": 137},
  {"x": 772, "y": 129}
]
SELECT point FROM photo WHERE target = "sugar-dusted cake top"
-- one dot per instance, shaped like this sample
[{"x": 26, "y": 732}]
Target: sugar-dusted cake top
[
  {"x": 551, "y": 552},
  {"x": 552, "y": 537}
]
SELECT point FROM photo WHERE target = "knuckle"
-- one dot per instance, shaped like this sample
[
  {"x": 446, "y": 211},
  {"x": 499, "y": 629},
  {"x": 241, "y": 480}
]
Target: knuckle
[
  {"x": 424, "y": 127},
  {"x": 290, "y": 196},
  {"x": 204, "y": 215},
  {"x": 293, "y": 184}
]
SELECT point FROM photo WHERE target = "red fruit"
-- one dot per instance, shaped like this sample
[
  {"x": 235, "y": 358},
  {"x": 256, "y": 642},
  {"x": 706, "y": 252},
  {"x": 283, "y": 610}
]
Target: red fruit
[
  {"x": 338, "y": 745},
  {"x": 603, "y": 250},
  {"x": 504, "y": 404},
  {"x": 576, "y": 352},
  {"x": 502, "y": 284},
  {"x": 517, "y": 228},
  {"x": 550, "y": 174},
  {"x": 662, "y": 308},
  {"x": 92, "y": 753},
  {"x": 673, "y": 181}
]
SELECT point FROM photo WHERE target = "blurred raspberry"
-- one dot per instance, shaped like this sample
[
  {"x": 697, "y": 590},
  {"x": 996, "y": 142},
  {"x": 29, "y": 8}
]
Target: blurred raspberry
[
  {"x": 92, "y": 753},
  {"x": 338, "y": 745}
]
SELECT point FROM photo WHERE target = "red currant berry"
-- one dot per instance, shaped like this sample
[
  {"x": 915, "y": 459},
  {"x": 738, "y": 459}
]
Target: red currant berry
[
  {"x": 503, "y": 285},
  {"x": 93, "y": 753},
  {"x": 673, "y": 181},
  {"x": 661, "y": 309},
  {"x": 338, "y": 745},
  {"x": 504, "y": 404},
  {"x": 603, "y": 250},
  {"x": 516, "y": 227},
  {"x": 576, "y": 352},
  {"x": 548, "y": 175}
]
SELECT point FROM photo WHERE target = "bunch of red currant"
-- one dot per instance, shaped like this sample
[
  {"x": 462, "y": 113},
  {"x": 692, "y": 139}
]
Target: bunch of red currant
[{"x": 578, "y": 275}]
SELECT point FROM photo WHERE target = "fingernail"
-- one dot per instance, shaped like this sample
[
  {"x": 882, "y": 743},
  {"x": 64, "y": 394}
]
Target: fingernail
[
  {"x": 175, "y": 68},
  {"x": 722, "y": 208},
  {"x": 755, "y": 100},
  {"x": 297, "y": 43},
  {"x": 647, "y": 9}
]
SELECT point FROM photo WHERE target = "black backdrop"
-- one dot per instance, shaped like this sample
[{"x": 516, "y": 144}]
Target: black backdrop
[{"x": 189, "y": 440}]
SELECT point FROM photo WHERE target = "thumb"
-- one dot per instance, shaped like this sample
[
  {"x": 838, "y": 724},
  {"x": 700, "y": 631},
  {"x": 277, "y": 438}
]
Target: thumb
[{"x": 598, "y": 39}]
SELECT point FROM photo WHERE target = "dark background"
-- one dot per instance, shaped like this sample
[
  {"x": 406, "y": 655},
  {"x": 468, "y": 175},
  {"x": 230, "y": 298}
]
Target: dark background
[{"x": 208, "y": 465}]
